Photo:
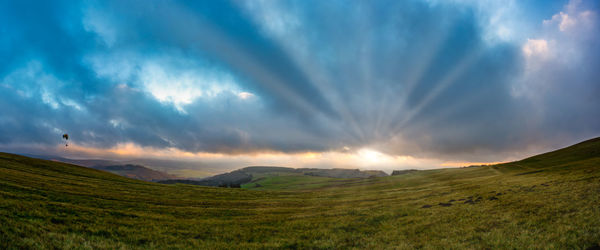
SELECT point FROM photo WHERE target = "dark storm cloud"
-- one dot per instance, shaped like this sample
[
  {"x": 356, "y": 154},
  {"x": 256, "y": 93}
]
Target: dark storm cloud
[{"x": 412, "y": 78}]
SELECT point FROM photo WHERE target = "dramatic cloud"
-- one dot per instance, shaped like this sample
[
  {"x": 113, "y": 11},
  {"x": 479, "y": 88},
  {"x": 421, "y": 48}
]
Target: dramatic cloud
[{"x": 431, "y": 80}]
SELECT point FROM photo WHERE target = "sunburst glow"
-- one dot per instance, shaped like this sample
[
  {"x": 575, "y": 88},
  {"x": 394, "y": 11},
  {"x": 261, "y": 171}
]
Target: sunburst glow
[{"x": 370, "y": 84}]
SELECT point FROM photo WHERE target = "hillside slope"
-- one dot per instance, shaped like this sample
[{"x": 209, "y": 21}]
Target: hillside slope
[
  {"x": 543, "y": 202},
  {"x": 580, "y": 151},
  {"x": 136, "y": 172}
]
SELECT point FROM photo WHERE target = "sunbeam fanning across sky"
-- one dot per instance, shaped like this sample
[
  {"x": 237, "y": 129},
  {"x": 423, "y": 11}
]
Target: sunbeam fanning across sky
[{"x": 349, "y": 84}]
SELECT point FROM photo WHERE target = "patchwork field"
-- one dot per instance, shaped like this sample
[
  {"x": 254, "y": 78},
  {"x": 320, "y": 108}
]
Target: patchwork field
[{"x": 547, "y": 201}]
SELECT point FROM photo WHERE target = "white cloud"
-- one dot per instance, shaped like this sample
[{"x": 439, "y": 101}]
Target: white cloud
[
  {"x": 245, "y": 95},
  {"x": 32, "y": 81},
  {"x": 272, "y": 18},
  {"x": 573, "y": 17},
  {"x": 558, "y": 47},
  {"x": 72, "y": 103},
  {"x": 536, "y": 47},
  {"x": 181, "y": 87},
  {"x": 171, "y": 79},
  {"x": 48, "y": 98},
  {"x": 537, "y": 54},
  {"x": 116, "y": 66},
  {"x": 563, "y": 20},
  {"x": 502, "y": 21}
]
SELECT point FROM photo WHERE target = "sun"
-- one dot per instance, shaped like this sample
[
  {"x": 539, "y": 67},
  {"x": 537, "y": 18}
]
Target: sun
[{"x": 370, "y": 155}]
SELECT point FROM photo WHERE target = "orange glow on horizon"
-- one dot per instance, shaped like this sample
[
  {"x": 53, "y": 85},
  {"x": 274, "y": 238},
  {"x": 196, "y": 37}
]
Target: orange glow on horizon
[{"x": 364, "y": 158}]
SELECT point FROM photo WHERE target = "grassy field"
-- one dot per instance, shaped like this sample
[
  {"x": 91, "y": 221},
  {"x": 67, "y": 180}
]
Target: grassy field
[
  {"x": 548, "y": 201},
  {"x": 291, "y": 182}
]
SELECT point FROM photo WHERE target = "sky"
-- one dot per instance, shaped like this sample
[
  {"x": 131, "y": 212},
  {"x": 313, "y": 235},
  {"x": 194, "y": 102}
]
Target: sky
[{"x": 351, "y": 84}]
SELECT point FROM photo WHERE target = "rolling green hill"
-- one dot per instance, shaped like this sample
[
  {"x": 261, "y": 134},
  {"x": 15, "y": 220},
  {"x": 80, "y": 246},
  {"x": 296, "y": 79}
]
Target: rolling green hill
[
  {"x": 258, "y": 176},
  {"x": 547, "y": 201},
  {"x": 137, "y": 172}
]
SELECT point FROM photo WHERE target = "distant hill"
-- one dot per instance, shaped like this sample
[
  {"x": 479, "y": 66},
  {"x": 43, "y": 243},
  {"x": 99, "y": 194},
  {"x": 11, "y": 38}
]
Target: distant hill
[
  {"x": 249, "y": 174},
  {"x": 342, "y": 173},
  {"x": 232, "y": 179},
  {"x": 136, "y": 172},
  {"x": 401, "y": 172}
]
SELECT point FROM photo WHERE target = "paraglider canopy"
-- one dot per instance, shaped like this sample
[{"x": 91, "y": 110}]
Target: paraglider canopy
[{"x": 66, "y": 137}]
